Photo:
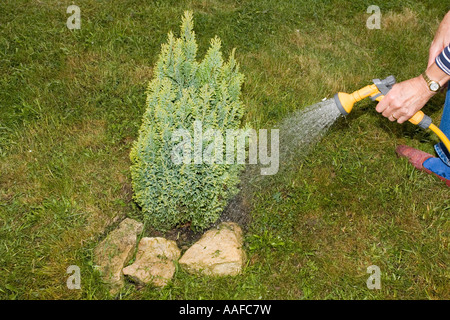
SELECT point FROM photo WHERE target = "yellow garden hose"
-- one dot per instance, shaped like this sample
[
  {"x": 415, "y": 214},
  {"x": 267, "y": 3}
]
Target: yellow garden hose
[{"x": 441, "y": 135}]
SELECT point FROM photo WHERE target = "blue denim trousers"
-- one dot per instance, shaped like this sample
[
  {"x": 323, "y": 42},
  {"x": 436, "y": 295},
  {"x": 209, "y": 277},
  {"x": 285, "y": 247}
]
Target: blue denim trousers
[{"x": 440, "y": 148}]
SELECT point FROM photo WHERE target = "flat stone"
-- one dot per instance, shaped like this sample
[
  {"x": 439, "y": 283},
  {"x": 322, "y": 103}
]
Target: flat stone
[
  {"x": 115, "y": 251},
  {"x": 155, "y": 261},
  {"x": 219, "y": 252}
]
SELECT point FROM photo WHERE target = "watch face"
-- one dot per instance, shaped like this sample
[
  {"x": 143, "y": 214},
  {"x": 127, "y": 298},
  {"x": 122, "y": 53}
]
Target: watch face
[{"x": 434, "y": 86}]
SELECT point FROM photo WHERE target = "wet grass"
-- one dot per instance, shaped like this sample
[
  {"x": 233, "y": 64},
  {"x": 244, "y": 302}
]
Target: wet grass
[{"x": 71, "y": 104}]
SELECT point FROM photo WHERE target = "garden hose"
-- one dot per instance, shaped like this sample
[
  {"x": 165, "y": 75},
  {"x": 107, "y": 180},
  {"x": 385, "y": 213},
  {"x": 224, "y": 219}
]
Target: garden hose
[{"x": 377, "y": 91}]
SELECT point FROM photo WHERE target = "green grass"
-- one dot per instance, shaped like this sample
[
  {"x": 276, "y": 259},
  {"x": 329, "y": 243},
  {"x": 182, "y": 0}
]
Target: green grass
[{"x": 71, "y": 104}]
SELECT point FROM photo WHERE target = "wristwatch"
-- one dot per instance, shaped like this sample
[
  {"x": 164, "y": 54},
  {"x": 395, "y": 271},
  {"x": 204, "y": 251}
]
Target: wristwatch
[{"x": 432, "y": 85}]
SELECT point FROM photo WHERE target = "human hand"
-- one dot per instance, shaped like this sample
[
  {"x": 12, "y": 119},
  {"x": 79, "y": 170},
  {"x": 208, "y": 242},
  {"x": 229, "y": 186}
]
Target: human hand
[
  {"x": 405, "y": 99},
  {"x": 441, "y": 39}
]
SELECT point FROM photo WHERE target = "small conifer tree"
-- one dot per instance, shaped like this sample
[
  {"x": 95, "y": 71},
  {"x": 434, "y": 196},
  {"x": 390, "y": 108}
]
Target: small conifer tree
[{"x": 184, "y": 91}]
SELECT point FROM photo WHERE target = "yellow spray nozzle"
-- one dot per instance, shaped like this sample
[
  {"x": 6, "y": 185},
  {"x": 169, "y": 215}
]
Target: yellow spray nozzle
[
  {"x": 375, "y": 91},
  {"x": 345, "y": 101}
]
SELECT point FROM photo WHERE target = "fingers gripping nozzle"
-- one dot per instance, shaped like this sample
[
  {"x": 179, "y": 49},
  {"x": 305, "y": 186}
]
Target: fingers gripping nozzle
[{"x": 384, "y": 86}]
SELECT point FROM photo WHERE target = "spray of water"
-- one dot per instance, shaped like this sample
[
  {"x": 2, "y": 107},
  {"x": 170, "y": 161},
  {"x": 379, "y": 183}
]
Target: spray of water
[
  {"x": 304, "y": 128},
  {"x": 298, "y": 133}
]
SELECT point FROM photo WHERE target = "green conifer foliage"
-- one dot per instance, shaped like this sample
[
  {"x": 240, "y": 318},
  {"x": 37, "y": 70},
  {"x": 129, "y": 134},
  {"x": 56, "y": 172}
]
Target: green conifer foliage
[{"x": 181, "y": 92}]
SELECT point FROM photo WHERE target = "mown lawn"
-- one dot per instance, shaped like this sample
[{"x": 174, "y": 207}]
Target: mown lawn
[{"x": 71, "y": 103}]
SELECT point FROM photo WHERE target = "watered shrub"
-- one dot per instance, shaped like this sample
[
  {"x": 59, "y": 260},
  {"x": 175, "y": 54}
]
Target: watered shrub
[{"x": 184, "y": 92}]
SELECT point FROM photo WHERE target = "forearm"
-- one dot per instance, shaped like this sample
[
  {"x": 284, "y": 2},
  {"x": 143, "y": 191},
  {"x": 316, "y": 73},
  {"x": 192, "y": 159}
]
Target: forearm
[{"x": 441, "y": 40}]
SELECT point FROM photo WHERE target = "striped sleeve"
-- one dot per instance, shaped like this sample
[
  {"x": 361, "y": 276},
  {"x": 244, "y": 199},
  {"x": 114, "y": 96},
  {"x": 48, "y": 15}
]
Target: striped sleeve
[{"x": 443, "y": 60}]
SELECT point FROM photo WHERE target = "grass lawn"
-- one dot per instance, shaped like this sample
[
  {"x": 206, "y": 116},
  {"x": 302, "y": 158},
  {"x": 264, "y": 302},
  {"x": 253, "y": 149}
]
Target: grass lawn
[{"x": 71, "y": 103}]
